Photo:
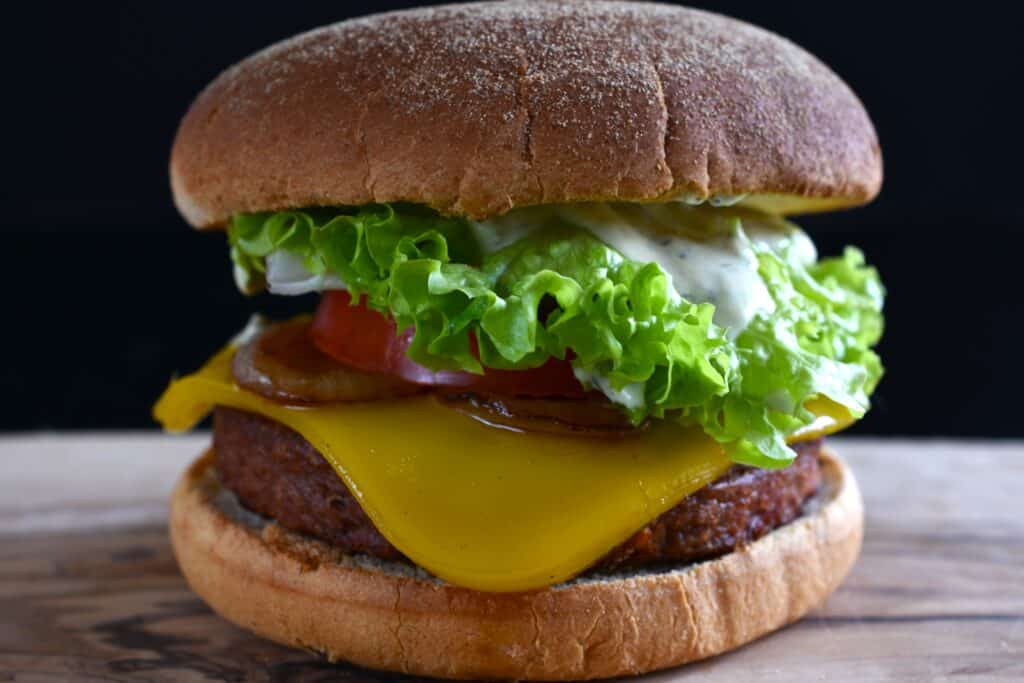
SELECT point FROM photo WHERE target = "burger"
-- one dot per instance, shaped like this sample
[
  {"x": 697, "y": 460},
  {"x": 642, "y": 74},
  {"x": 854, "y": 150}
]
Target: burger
[{"x": 557, "y": 407}]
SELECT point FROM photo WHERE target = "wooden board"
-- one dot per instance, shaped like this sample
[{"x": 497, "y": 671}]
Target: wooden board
[{"x": 89, "y": 588}]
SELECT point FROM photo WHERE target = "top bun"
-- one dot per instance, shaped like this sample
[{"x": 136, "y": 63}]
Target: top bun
[{"x": 475, "y": 109}]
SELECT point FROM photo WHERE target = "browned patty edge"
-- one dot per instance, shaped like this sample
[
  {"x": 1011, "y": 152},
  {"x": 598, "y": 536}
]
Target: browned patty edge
[{"x": 276, "y": 473}]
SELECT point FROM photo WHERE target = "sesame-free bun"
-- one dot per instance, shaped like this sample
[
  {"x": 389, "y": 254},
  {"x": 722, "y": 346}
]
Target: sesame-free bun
[
  {"x": 301, "y": 592},
  {"x": 475, "y": 109}
]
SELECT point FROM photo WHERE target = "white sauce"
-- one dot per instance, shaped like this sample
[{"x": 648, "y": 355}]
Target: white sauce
[
  {"x": 800, "y": 247},
  {"x": 721, "y": 271},
  {"x": 496, "y": 234},
  {"x": 708, "y": 256},
  {"x": 288, "y": 275},
  {"x": 631, "y": 396}
]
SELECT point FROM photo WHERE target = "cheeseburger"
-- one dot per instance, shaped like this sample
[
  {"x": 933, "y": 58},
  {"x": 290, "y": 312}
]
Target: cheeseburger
[{"x": 557, "y": 408}]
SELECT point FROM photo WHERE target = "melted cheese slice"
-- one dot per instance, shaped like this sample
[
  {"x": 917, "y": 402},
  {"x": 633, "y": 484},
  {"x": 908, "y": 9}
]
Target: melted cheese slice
[{"x": 482, "y": 507}]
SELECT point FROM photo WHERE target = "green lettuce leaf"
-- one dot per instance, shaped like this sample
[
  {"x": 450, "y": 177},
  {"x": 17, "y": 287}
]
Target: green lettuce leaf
[{"x": 562, "y": 290}]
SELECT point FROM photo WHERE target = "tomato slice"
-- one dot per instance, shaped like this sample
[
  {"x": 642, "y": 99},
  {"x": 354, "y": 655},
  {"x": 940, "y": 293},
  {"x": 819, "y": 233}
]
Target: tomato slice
[
  {"x": 367, "y": 340},
  {"x": 355, "y": 335}
]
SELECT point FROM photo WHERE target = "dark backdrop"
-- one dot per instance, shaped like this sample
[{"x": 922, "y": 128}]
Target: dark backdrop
[{"x": 107, "y": 293}]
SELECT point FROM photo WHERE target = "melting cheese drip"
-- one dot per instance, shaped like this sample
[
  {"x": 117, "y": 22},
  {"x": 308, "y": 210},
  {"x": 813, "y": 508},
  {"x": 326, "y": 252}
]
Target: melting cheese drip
[{"x": 483, "y": 508}]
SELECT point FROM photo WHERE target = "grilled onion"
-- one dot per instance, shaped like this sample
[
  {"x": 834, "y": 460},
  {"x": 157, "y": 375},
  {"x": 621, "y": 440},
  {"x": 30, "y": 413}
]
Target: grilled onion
[
  {"x": 282, "y": 364},
  {"x": 590, "y": 416}
]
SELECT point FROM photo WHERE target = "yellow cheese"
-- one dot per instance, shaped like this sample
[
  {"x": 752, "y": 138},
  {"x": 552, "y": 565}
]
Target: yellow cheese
[{"x": 481, "y": 507}]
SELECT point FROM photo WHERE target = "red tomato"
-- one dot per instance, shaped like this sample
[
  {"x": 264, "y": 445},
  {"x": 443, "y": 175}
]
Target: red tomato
[
  {"x": 367, "y": 340},
  {"x": 355, "y": 335}
]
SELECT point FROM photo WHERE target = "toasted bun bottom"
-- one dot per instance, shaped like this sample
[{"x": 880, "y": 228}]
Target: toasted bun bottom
[{"x": 303, "y": 593}]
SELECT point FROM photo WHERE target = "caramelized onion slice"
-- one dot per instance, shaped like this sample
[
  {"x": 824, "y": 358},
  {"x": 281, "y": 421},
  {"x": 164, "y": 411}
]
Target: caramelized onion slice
[
  {"x": 282, "y": 364},
  {"x": 590, "y": 416}
]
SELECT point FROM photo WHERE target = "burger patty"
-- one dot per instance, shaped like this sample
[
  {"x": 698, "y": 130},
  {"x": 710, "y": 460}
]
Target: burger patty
[{"x": 278, "y": 474}]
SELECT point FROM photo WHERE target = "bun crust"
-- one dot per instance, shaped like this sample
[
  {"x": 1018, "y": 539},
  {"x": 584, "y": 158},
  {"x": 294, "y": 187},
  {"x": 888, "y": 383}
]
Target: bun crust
[
  {"x": 475, "y": 109},
  {"x": 300, "y": 592}
]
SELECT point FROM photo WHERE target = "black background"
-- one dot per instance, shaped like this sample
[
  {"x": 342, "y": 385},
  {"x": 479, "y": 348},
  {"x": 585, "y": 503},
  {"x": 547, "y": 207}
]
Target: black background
[{"x": 107, "y": 293}]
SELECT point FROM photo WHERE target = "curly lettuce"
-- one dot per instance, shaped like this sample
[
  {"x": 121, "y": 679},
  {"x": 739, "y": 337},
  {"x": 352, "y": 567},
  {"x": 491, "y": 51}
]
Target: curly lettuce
[{"x": 562, "y": 291}]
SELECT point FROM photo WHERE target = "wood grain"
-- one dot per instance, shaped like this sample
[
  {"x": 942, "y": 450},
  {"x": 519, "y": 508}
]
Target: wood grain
[{"x": 89, "y": 589}]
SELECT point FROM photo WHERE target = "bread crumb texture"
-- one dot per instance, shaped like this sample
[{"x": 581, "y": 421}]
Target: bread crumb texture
[{"x": 477, "y": 108}]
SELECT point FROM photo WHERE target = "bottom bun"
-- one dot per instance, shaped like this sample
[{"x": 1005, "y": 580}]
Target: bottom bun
[{"x": 302, "y": 592}]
